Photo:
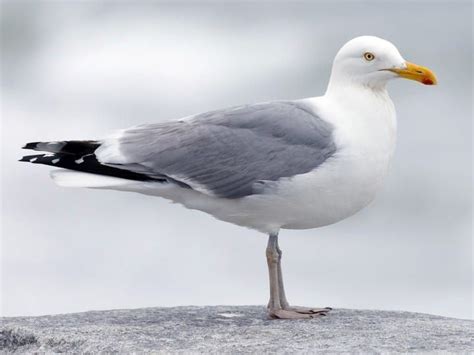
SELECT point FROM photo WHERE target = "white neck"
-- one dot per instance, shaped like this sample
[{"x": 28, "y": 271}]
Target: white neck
[
  {"x": 368, "y": 97},
  {"x": 339, "y": 87},
  {"x": 363, "y": 116}
]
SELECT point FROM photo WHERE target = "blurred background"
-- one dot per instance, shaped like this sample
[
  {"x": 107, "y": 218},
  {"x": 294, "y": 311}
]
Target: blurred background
[{"x": 82, "y": 69}]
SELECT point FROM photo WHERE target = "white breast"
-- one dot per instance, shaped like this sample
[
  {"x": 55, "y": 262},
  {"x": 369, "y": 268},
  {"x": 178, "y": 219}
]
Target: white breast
[{"x": 365, "y": 135}]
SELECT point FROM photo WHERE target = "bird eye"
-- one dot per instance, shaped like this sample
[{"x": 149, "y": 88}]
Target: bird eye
[{"x": 369, "y": 56}]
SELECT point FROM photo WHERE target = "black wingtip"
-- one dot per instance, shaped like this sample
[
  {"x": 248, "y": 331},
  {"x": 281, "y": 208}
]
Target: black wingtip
[
  {"x": 31, "y": 145},
  {"x": 31, "y": 158}
]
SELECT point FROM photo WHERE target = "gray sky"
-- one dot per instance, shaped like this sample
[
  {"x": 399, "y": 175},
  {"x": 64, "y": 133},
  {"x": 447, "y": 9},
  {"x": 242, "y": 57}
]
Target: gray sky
[{"x": 79, "y": 70}]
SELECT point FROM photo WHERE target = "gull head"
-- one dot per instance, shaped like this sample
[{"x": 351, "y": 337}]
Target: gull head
[{"x": 372, "y": 61}]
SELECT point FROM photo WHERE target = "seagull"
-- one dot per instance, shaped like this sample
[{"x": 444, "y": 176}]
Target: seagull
[{"x": 294, "y": 164}]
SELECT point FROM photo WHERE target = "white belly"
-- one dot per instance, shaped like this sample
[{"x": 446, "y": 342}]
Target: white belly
[{"x": 338, "y": 190}]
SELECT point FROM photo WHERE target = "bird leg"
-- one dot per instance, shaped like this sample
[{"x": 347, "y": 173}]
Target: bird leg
[
  {"x": 272, "y": 262},
  {"x": 278, "y": 306},
  {"x": 283, "y": 302}
]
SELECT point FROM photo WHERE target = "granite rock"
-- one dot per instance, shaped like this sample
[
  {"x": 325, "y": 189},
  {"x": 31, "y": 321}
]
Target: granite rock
[{"x": 234, "y": 329}]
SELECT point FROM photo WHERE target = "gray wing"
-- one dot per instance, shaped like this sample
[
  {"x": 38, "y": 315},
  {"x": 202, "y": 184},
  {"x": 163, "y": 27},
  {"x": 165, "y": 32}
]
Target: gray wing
[{"x": 228, "y": 153}]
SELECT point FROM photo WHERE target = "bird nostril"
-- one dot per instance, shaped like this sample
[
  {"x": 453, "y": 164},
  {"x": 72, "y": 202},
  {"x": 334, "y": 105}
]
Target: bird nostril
[{"x": 419, "y": 72}]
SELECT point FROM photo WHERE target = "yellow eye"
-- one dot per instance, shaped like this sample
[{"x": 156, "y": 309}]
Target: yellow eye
[{"x": 369, "y": 56}]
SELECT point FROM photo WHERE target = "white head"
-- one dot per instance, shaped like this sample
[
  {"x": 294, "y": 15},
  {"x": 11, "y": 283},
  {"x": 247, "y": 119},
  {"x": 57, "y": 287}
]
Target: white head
[{"x": 371, "y": 61}]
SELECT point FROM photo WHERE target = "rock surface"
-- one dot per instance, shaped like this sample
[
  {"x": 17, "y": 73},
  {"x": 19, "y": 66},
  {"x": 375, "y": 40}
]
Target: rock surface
[{"x": 241, "y": 329}]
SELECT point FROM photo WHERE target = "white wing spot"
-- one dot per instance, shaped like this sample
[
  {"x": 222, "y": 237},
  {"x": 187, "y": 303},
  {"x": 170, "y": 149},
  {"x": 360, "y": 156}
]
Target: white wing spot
[
  {"x": 79, "y": 161},
  {"x": 33, "y": 159},
  {"x": 54, "y": 161}
]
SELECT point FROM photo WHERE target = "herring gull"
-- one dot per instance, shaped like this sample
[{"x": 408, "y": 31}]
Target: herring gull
[{"x": 293, "y": 164}]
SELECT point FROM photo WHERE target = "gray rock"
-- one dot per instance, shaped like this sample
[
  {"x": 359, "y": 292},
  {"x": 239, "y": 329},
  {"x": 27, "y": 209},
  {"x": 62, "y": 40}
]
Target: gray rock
[{"x": 234, "y": 329}]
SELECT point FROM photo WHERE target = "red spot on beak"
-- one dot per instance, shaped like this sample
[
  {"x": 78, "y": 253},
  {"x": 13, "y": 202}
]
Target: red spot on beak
[{"x": 427, "y": 81}]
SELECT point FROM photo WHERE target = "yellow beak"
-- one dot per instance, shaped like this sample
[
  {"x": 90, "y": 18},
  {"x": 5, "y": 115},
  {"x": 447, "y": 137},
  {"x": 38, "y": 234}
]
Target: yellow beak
[{"x": 416, "y": 72}]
